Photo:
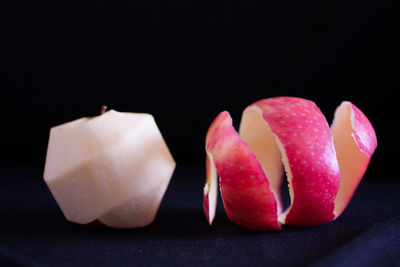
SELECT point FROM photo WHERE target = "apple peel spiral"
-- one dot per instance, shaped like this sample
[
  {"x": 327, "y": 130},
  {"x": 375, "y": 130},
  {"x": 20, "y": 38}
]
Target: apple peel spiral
[{"x": 323, "y": 164}]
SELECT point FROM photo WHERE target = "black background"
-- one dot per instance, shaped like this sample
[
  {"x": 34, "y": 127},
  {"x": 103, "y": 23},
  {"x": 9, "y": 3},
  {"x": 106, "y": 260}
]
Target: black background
[
  {"x": 185, "y": 65},
  {"x": 184, "y": 62}
]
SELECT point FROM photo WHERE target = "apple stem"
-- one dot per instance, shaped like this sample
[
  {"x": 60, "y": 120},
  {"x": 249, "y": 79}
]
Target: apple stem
[{"x": 103, "y": 109}]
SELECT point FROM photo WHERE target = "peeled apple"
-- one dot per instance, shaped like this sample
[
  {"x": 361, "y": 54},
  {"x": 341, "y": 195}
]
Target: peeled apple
[{"x": 113, "y": 169}]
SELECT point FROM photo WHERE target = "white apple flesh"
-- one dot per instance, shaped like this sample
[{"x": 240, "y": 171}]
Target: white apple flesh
[{"x": 113, "y": 168}]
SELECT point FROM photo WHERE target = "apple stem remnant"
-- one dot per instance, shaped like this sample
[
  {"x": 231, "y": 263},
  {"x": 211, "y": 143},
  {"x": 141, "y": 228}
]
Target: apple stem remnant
[{"x": 103, "y": 109}]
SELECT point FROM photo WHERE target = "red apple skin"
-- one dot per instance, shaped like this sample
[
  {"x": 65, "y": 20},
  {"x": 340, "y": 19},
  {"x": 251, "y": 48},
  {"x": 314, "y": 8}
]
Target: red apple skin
[
  {"x": 312, "y": 154},
  {"x": 307, "y": 142},
  {"x": 246, "y": 194}
]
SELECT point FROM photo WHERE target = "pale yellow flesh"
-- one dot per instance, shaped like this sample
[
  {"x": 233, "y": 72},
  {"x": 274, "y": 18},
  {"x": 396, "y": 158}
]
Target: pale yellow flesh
[
  {"x": 95, "y": 166},
  {"x": 211, "y": 187},
  {"x": 352, "y": 161},
  {"x": 255, "y": 131}
]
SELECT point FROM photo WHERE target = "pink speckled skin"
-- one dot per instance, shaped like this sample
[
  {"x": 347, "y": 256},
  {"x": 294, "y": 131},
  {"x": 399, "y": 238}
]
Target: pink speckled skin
[
  {"x": 307, "y": 140},
  {"x": 247, "y": 197}
]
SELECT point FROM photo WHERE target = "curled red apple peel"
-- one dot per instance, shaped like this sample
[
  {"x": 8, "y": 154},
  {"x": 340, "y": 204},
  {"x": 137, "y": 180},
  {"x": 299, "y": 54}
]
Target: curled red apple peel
[{"x": 323, "y": 165}]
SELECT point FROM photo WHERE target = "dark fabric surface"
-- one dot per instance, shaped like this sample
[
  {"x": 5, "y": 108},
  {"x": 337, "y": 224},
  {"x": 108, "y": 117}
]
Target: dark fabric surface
[{"x": 33, "y": 231}]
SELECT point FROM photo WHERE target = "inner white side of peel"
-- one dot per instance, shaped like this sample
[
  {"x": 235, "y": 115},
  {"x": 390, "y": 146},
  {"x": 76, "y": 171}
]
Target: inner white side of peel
[
  {"x": 211, "y": 187},
  {"x": 289, "y": 176},
  {"x": 352, "y": 160},
  {"x": 270, "y": 153}
]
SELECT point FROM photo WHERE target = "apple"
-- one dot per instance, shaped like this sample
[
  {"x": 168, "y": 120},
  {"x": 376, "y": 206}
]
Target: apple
[
  {"x": 323, "y": 166},
  {"x": 113, "y": 168}
]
